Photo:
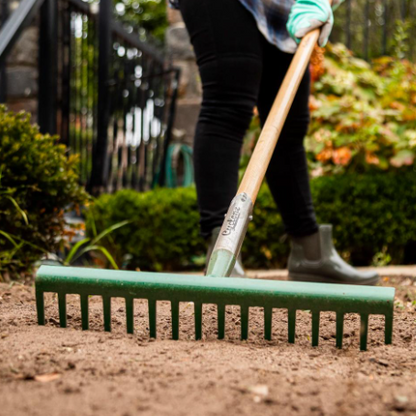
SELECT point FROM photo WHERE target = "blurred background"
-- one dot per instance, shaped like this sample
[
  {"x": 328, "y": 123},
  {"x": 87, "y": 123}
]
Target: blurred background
[{"x": 117, "y": 82}]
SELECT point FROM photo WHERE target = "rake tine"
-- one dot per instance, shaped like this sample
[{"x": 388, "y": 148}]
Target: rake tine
[
  {"x": 152, "y": 318},
  {"x": 340, "y": 329},
  {"x": 129, "y": 315},
  {"x": 174, "y": 306},
  {"x": 62, "y": 309},
  {"x": 198, "y": 320},
  {"x": 315, "y": 328},
  {"x": 363, "y": 331},
  {"x": 40, "y": 307},
  {"x": 107, "y": 313},
  {"x": 84, "y": 312},
  {"x": 221, "y": 321},
  {"x": 268, "y": 311},
  {"x": 244, "y": 321},
  {"x": 388, "y": 334},
  {"x": 291, "y": 325}
]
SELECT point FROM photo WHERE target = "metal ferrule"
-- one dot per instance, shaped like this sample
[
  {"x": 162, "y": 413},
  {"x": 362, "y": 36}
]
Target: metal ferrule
[{"x": 235, "y": 225}]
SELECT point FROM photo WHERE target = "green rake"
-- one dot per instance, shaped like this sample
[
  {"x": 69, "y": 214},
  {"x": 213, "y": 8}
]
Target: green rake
[
  {"x": 217, "y": 288},
  {"x": 222, "y": 291}
]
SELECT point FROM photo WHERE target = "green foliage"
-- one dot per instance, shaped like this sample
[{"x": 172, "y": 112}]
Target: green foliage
[
  {"x": 148, "y": 15},
  {"x": 401, "y": 38},
  {"x": 371, "y": 214},
  {"x": 91, "y": 244},
  {"x": 163, "y": 233},
  {"x": 363, "y": 117},
  {"x": 38, "y": 184},
  {"x": 353, "y": 14}
]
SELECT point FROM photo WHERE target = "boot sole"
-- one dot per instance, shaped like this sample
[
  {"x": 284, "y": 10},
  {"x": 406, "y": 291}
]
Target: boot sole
[{"x": 296, "y": 277}]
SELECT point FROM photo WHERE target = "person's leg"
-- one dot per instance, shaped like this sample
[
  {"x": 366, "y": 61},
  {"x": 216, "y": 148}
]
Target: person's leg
[
  {"x": 227, "y": 45},
  {"x": 313, "y": 256},
  {"x": 287, "y": 174}
]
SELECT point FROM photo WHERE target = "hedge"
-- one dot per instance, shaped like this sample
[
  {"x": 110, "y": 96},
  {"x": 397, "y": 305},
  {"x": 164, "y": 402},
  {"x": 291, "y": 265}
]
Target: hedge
[
  {"x": 370, "y": 213},
  {"x": 38, "y": 184},
  {"x": 164, "y": 232}
]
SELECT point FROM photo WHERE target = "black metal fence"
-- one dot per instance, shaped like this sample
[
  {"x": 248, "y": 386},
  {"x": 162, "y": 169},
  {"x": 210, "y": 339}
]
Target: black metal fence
[
  {"x": 78, "y": 93},
  {"x": 368, "y": 27},
  {"x": 110, "y": 97},
  {"x": 121, "y": 98},
  {"x": 137, "y": 98}
]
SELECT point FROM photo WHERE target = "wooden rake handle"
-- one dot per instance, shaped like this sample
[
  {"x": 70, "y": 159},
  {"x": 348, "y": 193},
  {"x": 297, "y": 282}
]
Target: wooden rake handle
[{"x": 260, "y": 159}]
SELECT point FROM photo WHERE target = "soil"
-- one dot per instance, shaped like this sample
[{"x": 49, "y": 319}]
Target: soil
[{"x": 53, "y": 371}]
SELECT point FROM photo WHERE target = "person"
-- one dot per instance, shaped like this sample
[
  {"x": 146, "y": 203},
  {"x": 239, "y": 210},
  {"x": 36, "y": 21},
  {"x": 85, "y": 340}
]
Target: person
[{"x": 243, "y": 49}]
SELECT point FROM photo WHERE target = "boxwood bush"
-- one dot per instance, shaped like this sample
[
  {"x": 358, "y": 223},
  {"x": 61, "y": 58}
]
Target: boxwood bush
[
  {"x": 370, "y": 213},
  {"x": 38, "y": 183},
  {"x": 164, "y": 231}
]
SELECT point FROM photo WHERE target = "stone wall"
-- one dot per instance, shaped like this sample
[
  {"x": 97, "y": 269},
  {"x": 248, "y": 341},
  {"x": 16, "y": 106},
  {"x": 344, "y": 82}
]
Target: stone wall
[
  {"x": 22, "y": 70},
  {"x": 189, "y": 99},
  {"x": 22, "y": 73}
]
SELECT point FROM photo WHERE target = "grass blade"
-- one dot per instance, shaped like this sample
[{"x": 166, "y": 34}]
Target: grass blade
[
  {"x": 22, "y": 241},
  {"x": 103, "y": 250},
  {"x": 108, "y": 256},
  {"x": 109, "y": 230},
  {"x": 74, "y": 250},
  {"x": 22, "y": 213},
  {"x": 93, "y": 226},
  {"x": 8, "y": 237}
]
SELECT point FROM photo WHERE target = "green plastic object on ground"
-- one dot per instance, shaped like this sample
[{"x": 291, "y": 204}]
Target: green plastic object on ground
[
  {"x": 246, "y": 293},
  {"x": 174, "y": 151}
]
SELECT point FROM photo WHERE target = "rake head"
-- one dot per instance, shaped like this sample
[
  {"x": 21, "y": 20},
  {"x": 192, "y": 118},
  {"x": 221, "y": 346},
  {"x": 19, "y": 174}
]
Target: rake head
[{"x": 293, "y": 296}]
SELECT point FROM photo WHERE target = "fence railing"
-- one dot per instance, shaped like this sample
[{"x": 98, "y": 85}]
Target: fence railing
[
  {"x": 122, "y": 94},
  {"x": 78, "y": 95},
  {"x": 368, "y": 27},
  {"x": 110, "y": 97}
]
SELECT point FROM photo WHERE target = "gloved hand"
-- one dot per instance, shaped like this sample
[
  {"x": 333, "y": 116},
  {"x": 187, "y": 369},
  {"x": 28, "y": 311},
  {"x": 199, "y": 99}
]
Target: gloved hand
[{"x": 307, "y": 15}]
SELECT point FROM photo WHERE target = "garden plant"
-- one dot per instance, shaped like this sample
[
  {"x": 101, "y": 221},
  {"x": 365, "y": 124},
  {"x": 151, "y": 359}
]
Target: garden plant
[{"x": 39, "y": 183}]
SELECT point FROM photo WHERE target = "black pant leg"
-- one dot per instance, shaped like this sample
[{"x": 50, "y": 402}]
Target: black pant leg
[
  {"x": 228, "y": 49},
  {"x": 287, "y": 174}
]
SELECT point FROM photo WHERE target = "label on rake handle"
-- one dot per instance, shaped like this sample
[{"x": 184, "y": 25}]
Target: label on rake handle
[{"x": 235, "y": 224}]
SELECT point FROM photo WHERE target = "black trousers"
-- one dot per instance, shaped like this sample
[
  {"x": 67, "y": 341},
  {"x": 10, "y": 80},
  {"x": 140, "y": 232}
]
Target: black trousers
[{"x": 239, "y": 70}]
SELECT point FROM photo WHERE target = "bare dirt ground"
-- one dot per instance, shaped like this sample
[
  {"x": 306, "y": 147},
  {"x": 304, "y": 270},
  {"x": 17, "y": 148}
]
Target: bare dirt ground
[{"x": 53, "y": 371}]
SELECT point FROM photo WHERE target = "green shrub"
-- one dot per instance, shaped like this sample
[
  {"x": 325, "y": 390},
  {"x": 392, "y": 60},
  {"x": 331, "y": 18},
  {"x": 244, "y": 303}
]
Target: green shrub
[
  {"x": 148, "y": 15},
  {"x": 163, "y": 233},
  {"x": 371, "y": 214},
  {"x": 363, "y": 117},
  {"x": 38, "y": 184}
]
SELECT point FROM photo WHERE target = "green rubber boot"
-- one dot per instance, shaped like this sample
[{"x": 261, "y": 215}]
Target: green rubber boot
[
  {"x": 238, "y": 270},
  {"x": 314, "y": 259}
]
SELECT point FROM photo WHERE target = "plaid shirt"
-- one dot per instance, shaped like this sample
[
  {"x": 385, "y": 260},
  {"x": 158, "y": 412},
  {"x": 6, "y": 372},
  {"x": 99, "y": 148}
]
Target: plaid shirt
[{"x": 271, "y": 17}]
